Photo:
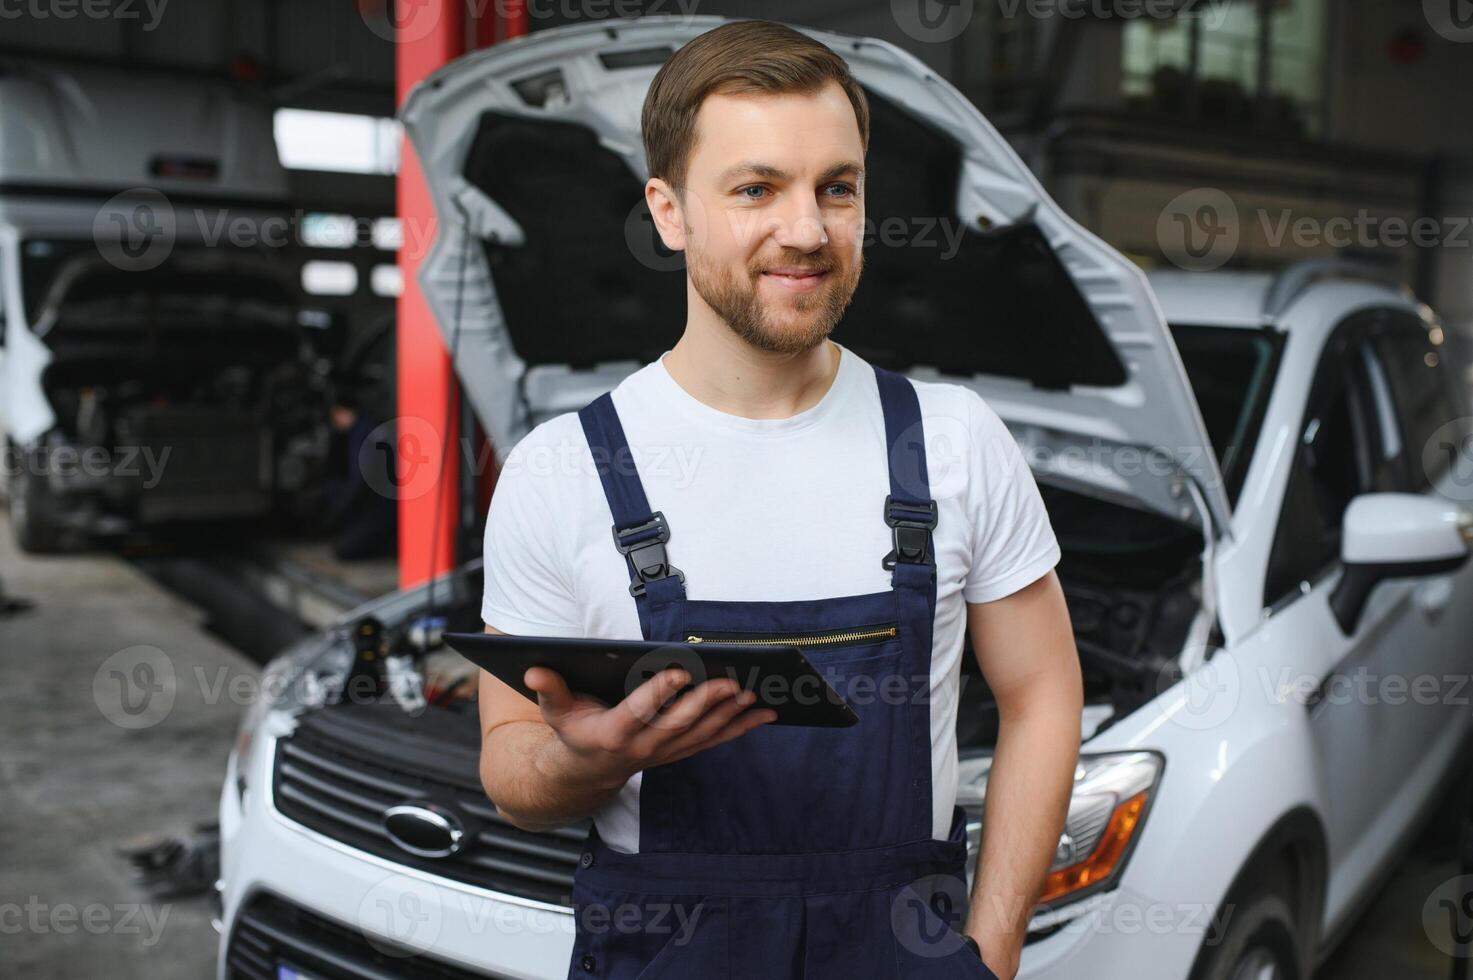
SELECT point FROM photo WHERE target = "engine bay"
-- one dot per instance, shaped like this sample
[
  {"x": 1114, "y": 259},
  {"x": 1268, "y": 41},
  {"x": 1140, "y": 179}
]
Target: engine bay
[
  {"x": 1131, "y": 579},
  {"x": 184, "y": 392}
]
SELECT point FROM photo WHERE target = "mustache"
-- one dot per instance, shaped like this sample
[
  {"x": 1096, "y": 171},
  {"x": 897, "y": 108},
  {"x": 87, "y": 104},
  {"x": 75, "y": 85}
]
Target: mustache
[{"x": 807, "y": 264}]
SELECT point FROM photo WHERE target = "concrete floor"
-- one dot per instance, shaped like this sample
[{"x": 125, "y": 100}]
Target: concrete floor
[{"x": 83, "y": 771}]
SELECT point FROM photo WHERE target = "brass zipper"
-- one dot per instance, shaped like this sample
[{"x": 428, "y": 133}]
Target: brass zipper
[{"x": 803, "y": 641}]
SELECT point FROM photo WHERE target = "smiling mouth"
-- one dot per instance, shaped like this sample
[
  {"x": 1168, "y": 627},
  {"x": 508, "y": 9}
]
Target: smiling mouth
[{"x": 801, "y": 279}]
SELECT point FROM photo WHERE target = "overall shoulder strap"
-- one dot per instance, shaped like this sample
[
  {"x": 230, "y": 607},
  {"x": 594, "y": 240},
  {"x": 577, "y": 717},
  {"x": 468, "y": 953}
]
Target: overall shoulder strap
[
  {"x": 639, "y": 533},
  {"x": 909, "y": 510}
]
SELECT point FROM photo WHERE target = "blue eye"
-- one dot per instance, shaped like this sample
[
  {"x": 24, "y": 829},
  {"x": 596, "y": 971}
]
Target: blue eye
[
  {"x": 754, "y": 187},
  {"x": 844, "y": 189}
]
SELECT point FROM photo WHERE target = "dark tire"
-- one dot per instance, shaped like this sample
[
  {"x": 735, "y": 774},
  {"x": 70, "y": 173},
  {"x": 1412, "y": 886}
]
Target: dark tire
[
  {"x": 1262, "y": 941},
  {"x": 32, "y": 516}
]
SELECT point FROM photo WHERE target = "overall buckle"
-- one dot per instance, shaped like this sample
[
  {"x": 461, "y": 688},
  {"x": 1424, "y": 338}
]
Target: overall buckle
[
  {"x": 644, "y": 545},
  {"x": 911, "y": 526}
]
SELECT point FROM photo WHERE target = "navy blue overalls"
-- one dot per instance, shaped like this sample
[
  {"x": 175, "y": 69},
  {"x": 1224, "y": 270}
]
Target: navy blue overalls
[{"x": 789, "y": 851}]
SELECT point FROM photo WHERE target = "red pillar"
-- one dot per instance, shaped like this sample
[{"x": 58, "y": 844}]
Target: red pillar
[{"x": 431, "y": 33}]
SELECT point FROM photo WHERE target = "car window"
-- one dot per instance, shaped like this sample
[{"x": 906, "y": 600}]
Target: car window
[
  {"x": 1422, "y": 391},
  {"x": 1231, "y": 371},
  {"x": 1334, "y": 462},
  {"x": 1385, "y": 445}
]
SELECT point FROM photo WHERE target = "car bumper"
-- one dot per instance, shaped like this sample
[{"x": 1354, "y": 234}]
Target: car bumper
[
  {"x": 391, "y": 912},
  {"x": 395, "y": 912}
]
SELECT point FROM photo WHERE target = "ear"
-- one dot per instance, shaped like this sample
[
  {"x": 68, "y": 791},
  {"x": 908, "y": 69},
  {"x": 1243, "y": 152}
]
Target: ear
[{"x": 666, "y": 209}]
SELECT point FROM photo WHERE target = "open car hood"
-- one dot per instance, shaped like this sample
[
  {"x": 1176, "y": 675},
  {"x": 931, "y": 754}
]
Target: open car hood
[{"x": 548, "y": 281}]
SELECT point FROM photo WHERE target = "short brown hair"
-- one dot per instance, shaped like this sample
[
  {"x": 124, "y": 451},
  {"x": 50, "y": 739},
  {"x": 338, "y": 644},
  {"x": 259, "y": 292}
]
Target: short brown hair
[{"x": 745, "y": 56}]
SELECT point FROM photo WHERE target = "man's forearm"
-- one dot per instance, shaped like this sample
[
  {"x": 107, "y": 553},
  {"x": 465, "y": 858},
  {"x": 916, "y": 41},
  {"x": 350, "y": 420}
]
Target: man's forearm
[
  {"x": 535, "y": 780},
  {"x": 1028, "y": 790}
]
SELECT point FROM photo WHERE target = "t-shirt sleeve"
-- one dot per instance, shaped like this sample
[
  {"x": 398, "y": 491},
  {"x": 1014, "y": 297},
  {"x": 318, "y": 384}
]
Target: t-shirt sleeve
[
  {"x": 1013, "y": 543},
  {"x": 527, "y": 588}
]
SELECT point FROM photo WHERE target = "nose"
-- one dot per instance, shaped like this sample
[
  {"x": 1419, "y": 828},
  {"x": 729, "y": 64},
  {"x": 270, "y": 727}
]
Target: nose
[{"x": 800, "y": 225}]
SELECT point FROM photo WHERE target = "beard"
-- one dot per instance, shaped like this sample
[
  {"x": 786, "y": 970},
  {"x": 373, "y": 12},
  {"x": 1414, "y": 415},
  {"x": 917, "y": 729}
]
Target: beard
[{"x": 814, "y": 314}]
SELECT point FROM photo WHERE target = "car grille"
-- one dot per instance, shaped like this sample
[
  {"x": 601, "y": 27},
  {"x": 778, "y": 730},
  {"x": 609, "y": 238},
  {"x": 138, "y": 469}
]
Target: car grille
[
  {"x": 343, "y": 767},
  {"x": 217, "y": 462},
  {"x": 271, "y": 932}
]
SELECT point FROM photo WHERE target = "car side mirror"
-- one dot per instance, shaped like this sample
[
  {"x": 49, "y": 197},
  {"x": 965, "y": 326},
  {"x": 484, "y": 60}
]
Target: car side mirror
[{"x": 1395, "y": 535}]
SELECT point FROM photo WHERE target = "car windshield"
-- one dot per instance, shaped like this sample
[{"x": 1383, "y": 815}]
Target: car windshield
[{"x": 1231, "y": 370}]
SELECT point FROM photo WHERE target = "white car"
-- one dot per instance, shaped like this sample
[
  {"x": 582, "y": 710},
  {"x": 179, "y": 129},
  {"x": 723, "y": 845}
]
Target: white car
[
  {"x": 154, "y": 368},
  {"x": 1233, "y": 805}
]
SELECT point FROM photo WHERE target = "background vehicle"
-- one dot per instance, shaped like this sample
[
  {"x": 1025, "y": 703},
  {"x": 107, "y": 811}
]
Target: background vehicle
[
  {"x": 1199, "y": 789},
  {"x": 154, "y": 368}
]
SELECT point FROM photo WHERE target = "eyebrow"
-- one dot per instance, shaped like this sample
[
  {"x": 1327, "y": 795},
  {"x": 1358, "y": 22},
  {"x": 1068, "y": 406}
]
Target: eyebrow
[{"x": 769, "y": 172}]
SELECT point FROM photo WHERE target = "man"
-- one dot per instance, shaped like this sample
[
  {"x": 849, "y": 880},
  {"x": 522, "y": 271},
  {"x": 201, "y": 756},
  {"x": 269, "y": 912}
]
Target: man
[{"x": 764, "y": 482}]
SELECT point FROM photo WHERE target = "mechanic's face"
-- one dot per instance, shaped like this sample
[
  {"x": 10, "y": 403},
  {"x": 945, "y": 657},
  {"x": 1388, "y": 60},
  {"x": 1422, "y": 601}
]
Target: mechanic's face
[{"x": 773, "y": 214}]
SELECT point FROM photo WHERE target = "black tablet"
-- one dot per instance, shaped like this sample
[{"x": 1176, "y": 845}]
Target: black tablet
[{"x": 780, "y": 676}]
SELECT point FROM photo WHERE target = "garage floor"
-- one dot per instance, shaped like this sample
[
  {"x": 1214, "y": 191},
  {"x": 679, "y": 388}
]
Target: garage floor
[
  {"x": 75, "y": 786},
  {"x": 82, "y": 771}
]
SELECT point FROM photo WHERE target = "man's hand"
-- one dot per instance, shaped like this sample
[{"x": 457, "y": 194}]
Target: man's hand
[
  {"x": 612, "y": 744},
  {"x": 556, "y": 762},
  {"x": 1025, "y": 647}
]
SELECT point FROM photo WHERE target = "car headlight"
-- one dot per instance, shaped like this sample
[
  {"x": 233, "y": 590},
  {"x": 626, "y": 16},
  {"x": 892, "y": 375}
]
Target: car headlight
[
  {"x": 1111, "y": 795},
  {"x": 303, "y": 676}
]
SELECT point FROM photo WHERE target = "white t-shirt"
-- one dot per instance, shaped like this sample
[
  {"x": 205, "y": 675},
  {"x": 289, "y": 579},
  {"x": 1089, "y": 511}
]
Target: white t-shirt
[{"x": 764, "y": 509}]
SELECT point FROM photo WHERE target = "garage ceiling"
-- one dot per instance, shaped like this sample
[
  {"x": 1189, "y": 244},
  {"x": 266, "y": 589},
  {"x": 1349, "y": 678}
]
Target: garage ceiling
[{"x": 320, "y": 54}]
